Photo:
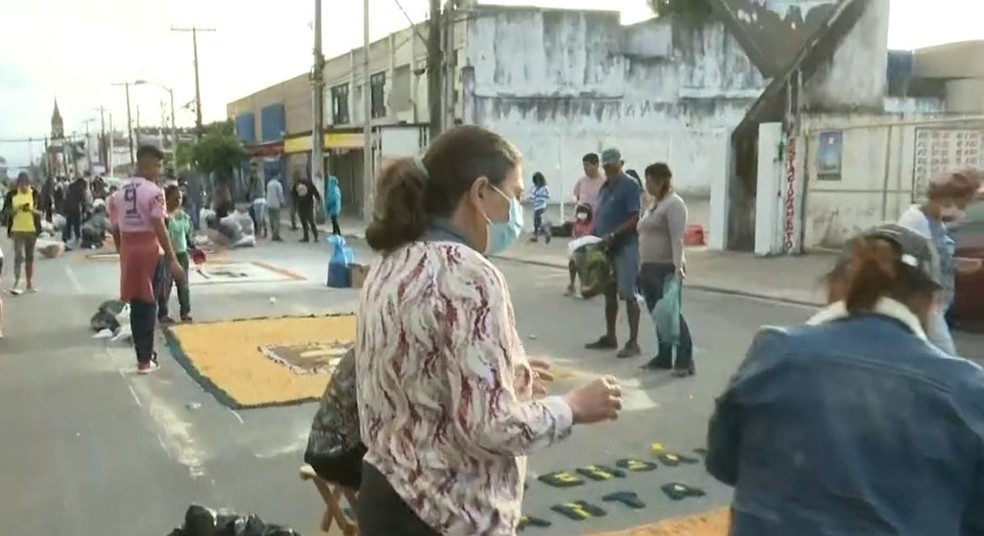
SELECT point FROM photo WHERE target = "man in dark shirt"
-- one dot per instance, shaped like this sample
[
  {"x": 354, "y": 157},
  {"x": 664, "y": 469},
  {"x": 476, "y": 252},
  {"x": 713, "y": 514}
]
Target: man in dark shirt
[
  {"x": 73, "y": 209},
  {"x": 305, "y": 195},
  {"x": 615, "y": 218}
]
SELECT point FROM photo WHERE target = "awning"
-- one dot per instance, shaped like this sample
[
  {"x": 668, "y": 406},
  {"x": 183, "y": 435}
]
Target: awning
[{"x": 275, "y": 148}]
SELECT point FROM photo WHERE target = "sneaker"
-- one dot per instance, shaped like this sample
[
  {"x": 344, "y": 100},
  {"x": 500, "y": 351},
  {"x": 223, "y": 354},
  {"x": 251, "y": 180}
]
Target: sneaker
[
  {"x": 1, "y": 333},
  {"x": 603, "y": 343},
  {"x": 187, "y": 319},
  {"x": 165, "y": 321},
  {"x": 569, "y": 291},
  {"x": 16, "y": 291},
  {"x": 148, "y": 368},
  {"x": 658, "y": 363},
  {"x": 631, "y": 349},
  {"x": 32, "y": 290}
]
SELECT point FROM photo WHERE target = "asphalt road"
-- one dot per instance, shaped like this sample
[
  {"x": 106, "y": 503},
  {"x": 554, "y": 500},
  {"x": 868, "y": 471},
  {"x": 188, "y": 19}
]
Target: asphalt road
[{"x": 90, "y": 448}]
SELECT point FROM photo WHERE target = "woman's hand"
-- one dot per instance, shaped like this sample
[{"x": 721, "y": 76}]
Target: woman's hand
[
  {"x": 600, "y": 400},
  {"x": 542, "y": 378}
]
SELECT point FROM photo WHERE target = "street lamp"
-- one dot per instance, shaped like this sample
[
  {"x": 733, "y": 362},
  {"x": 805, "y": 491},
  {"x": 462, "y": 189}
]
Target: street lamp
[{"x": 170, "y": 92}]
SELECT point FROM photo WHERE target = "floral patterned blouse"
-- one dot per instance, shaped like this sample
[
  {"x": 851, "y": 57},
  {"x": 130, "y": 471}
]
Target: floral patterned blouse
[{"x": 446, "y": 391}]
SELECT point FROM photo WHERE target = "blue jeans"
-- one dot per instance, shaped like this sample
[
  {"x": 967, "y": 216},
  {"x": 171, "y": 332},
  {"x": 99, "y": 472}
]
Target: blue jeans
[
  {"x": 538, "y": 220},
  {"x": 651, "y": 280}
]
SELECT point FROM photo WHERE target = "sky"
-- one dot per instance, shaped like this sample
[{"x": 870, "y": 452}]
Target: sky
[{"x": 75, "y": 51}]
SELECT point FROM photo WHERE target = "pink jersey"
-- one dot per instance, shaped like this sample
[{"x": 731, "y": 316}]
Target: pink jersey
[{"x": 136, "y": 206}]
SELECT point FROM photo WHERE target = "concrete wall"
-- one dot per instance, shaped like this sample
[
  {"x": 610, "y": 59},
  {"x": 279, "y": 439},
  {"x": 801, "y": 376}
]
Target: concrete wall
[
  {"x": 879, "y": 177},
  {"x": 864, "y": 49},
  {"x": 954, "y": 60},
  {"x": 294, "y": 94},
  {"x": 965, "y": 95},
  {"x": 563, "y": 83}
]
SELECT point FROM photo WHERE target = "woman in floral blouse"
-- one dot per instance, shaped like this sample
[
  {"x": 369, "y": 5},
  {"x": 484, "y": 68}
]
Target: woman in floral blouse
[{"x": 449, "y": 404}]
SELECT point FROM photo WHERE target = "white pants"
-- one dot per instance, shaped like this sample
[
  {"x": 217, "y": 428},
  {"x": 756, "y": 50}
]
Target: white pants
[{"x": 939, "y": 333}]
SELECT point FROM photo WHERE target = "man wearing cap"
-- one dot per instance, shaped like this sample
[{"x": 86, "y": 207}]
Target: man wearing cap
[{"x": 615, "y": 221}]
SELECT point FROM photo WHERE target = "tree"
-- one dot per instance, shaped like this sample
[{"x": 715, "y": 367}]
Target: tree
[
  {"x": 219, "y": 151},
  {"x": 697, "y": 10},
  {"x": 3, "y": 169}
]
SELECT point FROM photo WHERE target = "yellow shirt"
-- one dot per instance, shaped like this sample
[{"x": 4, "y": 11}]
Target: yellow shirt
[{"x": 23, "y": 220}]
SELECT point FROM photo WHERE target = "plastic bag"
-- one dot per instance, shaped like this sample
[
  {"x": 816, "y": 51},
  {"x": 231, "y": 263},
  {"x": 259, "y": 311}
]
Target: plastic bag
[
  {"x": 593, "y": 268},
  {"x": 341, "y": 256},
  {"x": 202, "y": 521},
  {"x": 666, "y": 313}
]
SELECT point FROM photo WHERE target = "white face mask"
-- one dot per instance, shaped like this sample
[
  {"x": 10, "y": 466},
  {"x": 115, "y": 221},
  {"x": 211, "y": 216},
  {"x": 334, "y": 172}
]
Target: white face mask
[{"x": 581, "y": 216}]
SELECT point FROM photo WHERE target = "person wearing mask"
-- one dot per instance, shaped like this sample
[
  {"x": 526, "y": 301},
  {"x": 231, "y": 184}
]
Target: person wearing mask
[
  {"x": 333, "y": 203},
  {"x": 948, "y": 198},
  {"x": 304, "y": 195},
  {"x": 855, "y": 423},
  {"x": 661, "y": 230},
  {"x": 274, "y": 204},
  {"x": 74, "y": 208},
  {"x": 587, "y": 187},
  {"x": 437, "y": 334},
  {"x": 25, "y": 216},
  {"x": 140, "y": 234},
  {"x": 615, "y": 220}
]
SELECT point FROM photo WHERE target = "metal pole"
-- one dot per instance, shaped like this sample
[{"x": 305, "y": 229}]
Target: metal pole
[
  {"x": 174, "y": 127},
  {"x": 199, "y": 129},
  {"x": 318, "y": 101},
  {"x": 129, "y": 126},
  {"x": 367, "y": 171},
  {"x": 88, "y": 147},
  {"x": 435, "y": 64},
  {"x": 112, "y": 148}
]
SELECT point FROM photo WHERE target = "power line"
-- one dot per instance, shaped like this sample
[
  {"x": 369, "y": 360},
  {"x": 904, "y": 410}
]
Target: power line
[{"x": 413, "y": 25}]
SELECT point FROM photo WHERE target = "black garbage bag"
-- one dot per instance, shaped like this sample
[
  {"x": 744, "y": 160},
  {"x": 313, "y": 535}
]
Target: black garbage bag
[
  {"x": 202, "y": 521},
  {"x": 105, "y": 317}
]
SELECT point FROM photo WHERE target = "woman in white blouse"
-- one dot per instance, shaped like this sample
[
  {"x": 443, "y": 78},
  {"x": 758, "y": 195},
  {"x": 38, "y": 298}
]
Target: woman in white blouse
[{"x": 446, "y": 393}]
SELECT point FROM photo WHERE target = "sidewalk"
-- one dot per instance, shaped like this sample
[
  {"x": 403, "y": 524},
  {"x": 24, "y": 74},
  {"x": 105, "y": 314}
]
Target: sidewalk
[{"x": 788, "y": 279}]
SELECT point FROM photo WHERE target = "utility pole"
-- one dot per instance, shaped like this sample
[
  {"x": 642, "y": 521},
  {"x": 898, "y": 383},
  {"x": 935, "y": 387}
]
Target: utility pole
[
  {"x": 129, "y": 123},
  {"x": 198, "y": 92},
  {"x": 435, "y": 64},
  {"x": 368, "y": 177},
  {"x": 318, "y": 99}
]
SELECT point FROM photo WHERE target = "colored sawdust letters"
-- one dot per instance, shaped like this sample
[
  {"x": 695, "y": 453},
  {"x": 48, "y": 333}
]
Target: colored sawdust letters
[{"x": 581, "y": 510}]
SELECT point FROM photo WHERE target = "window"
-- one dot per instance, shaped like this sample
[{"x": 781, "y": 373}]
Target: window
[
  {"x": 340, "y": 105},
  {"x": 377, "y": 85}
]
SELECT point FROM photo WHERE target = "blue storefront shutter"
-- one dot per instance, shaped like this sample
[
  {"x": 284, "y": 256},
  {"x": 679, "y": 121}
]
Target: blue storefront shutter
[
  {"x": 246, "y": 128},
  {"x": 273, "y": 123}
]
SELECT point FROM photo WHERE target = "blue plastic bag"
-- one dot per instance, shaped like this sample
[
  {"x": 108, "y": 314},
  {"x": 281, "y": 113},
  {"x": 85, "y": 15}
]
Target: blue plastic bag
[
  {"x": 666, "y": 313},
  {"x": 338, "y": 262}
]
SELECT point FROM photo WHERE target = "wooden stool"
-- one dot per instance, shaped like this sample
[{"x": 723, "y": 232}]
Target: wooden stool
[{"x": 333, "y": 510}]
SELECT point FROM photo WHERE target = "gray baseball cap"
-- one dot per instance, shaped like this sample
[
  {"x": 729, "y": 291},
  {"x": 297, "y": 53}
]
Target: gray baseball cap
[
  {"x": 918, "y": 253},
  {"x": 611, "y": 156}
]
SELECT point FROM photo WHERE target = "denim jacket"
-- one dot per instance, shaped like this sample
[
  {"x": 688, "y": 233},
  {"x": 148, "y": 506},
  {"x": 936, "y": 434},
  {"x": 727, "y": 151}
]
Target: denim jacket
[{"x": 852, "y": 426}]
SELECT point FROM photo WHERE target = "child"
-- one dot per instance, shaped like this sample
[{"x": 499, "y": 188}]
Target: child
[
  {"x": 581, "y": 226},
  {"x": 539, "y": 196},
  {"x": 179, "y": 229}
]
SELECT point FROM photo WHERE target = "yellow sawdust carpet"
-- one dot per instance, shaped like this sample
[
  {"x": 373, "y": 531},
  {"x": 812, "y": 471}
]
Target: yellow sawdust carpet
[
  {"x": 232, "y": 359},
  {"x": 713, "y": 523}
]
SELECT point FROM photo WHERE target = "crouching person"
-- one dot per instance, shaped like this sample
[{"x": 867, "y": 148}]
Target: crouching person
[{"x": 334, "y": 448}]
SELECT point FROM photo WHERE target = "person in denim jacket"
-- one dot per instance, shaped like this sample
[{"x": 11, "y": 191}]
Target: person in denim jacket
[{"x": 855, "y": 423}]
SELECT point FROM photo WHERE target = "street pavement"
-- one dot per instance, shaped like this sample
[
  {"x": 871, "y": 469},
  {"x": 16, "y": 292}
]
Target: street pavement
[{"x": 90, "y": 448}]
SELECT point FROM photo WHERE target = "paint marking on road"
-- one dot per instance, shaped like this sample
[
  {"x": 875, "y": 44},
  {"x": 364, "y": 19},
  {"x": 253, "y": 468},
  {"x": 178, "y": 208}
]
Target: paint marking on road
[
  {"x": 635, "y": 397},
  {"x": 173, "y": 433},
  {"x": 134, "y": 393},
  {"x": 298, "y": 445},
  {"x": 236, "y": 415},
  {"x": 73, "y": 279}
]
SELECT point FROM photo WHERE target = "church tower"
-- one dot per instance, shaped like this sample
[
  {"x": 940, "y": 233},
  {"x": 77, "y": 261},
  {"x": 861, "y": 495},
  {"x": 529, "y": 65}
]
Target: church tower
[{"x": 57, "y": 125}]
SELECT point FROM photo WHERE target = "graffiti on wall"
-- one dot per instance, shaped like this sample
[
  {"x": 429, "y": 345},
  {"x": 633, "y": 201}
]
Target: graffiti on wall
[
  {"x": 789, "y": 197},
  {"x": 939, "y": 150}
]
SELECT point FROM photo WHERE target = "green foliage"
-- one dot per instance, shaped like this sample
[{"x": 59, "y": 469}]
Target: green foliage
[
  {"x": 219, "y": 151},
  {"x": 183, "y": 155},
  {"x": 696, "y": 10}
]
